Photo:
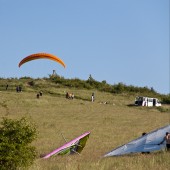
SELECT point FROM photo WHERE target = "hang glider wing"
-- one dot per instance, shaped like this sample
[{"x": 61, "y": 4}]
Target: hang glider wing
[
  {"x": 74, "y": 146},
  {"x": 41, "y": 56},
  {"x": 147, "y": 143}
]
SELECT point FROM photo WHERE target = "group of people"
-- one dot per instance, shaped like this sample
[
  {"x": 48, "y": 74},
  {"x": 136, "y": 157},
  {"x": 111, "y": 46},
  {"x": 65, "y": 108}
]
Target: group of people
[
  {"x": 39, "y": 94},
  {"x": 18, "y": 89},
  {"x": 69, "y": 95}
]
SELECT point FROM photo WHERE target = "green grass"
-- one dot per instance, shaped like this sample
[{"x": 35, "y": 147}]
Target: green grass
[{"x": 111, "y": 125}]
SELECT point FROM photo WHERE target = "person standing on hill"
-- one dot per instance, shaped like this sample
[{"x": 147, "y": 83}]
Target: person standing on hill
[
  {"x": 92, "y": 97},
  {"x": 41, "y": 93},
  {"x": 7, "y": 87},
  {"x": 167, "y": 139}
]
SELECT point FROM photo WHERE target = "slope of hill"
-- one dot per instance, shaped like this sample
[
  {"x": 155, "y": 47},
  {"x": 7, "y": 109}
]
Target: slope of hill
[{"x": 110, "y": 124}]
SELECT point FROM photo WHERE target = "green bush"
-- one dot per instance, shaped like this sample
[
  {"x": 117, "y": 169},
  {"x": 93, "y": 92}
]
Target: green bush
[
  {"x": 31, "y": 83},
  {"x": 166, "y": 99},
  {"x": 15, "y": 137},
  {"x": 163, "y": 109},
  {"x": 59, "y": 82}
]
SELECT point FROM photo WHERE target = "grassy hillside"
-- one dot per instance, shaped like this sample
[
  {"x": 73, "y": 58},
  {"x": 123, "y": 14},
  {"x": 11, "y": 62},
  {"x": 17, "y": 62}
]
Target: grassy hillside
[{"x": 111, "y": 124}]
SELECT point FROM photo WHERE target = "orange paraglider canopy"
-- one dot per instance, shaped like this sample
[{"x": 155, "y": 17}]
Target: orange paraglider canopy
[{"x": 41, "y": 56}]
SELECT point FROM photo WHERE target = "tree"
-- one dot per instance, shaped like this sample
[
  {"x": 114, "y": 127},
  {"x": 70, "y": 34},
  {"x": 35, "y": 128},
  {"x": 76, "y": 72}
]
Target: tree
[{"x": 15, "y": 139}]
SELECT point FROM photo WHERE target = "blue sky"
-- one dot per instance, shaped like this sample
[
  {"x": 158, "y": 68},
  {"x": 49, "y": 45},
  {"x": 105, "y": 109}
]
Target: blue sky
[{"x": 123, "y": 41}]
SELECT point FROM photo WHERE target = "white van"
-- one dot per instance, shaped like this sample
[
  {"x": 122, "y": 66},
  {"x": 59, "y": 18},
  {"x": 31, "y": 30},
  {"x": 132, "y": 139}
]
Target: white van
[{"x": 147, "y": 101}]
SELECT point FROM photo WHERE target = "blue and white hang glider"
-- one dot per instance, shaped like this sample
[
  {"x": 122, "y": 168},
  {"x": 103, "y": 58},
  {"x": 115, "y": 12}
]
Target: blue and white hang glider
[{"x": 147, "y": 143}]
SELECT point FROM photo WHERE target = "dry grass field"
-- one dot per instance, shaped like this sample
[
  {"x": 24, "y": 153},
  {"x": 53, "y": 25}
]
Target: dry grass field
[{"x": 111, "y": 125}]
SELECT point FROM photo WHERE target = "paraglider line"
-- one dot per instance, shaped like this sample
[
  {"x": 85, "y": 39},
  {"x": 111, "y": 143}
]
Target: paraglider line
[{"x": 64, "y": 138}]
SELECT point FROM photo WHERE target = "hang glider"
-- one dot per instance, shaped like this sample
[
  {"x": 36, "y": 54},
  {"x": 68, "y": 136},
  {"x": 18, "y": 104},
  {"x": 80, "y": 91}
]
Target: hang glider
[
  {"x": 74, "y": 146},
  {"x": 147, "y": 143},
  {"x": 41, "y": 56}
]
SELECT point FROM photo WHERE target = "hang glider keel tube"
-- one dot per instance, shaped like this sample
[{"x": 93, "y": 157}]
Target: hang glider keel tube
[{"x": 147, "y": 143}]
